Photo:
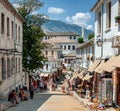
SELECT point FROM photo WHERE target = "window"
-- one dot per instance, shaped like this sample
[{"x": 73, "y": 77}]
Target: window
[
  {"x": 69, "y": 47},
  {"x": 65, "y": 60},
  {"x": 52, "y": 53},
  {"x": 12, "y": 28},
  {"x": 73, "y": 47},
  {"x": 16, "y": 65},
  {"x": 19, "y": 65},
  {"x": 70, "y": 37},
  {"x": 3, "y": 69},
  {"x": 12, "y": 65},
  {"x": 8, "y": 27},
  {"x": 16, "y": 30},
  {"x": 69, "y": 61},
  {"x": 8, "y": 67},
  {"x": 2, "y": 23},
  {"x": 108, "y": 18},
  {"x": 74, "y": 37},
  {"x": 47, "y": 66},
  {"x": 64, "y": 47},
  {"x": 46, "y": 52},
  {"x": 19, "y": 34},
  {"x": 99, "y": 22}
]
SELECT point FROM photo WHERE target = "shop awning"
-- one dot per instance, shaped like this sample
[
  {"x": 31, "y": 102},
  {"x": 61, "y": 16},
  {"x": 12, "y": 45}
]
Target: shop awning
[
  {"x": 75, "y": 74},
  {"x": 108, "y": 66},
  {"x": 44, "y": 74},
  {"x": 98, "y": 69},
  {"x": 80, "y": 75},
  {"x": 87, "y": 77},
  {"x": 94, "y": 65},
  {"x": 117, "y": 62}
]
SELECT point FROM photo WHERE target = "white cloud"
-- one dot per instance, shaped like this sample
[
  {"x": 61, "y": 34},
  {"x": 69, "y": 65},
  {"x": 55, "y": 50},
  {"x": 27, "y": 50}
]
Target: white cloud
[
  {"x": 68, "y": 19},
  {"x": 90, "y": 27},
  {"x": 80, "y": 19},
  {"x": 54, "y": 10},
  {"x": 35, "y": 12}
]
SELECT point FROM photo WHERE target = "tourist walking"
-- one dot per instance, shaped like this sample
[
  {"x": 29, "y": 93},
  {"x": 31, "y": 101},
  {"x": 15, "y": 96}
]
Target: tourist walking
[{"x": 31, "y": 89}]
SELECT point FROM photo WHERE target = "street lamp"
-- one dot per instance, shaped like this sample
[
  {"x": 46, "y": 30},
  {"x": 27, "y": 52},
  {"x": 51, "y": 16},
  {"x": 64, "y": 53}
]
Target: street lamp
[{"x": 99, "y": 42}]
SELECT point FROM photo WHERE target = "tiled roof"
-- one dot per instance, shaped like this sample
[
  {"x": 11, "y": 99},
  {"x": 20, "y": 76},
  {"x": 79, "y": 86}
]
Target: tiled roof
[
  {"x": 61, "y": 34},
  {"x": 59, "y": 40}
]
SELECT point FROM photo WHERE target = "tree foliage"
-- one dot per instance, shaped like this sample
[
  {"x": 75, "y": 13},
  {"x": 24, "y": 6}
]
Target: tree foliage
[
  {"x": 90, "y": 36},
  {"x": 80, "y": 40},
  {"x": 32, "y": 34}
]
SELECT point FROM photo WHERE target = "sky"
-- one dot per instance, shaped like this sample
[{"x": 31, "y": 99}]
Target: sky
[{"x": 70, "y": 11}]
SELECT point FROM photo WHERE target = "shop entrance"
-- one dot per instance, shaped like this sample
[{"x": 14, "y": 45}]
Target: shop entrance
[{"x": 118, "y": 86}]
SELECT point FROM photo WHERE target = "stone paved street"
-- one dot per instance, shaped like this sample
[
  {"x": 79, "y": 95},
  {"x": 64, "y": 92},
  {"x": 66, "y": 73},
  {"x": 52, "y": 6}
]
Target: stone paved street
[{"x": 55, "y": 101}]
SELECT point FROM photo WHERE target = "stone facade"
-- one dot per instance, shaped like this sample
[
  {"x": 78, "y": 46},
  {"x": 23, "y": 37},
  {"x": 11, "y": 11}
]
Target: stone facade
[{"x": 11, "y": 75}]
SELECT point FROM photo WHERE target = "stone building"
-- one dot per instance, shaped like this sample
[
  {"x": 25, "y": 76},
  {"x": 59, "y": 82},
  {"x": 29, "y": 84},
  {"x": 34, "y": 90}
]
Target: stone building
[
  {"x": 11, "y": 37},
  {"x": 107, "y": 50}
]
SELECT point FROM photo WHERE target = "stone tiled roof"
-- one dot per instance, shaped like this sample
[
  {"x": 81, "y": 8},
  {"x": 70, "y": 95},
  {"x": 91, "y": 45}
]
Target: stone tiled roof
[
  {"x": 59, "y": 40},
  {"x": 61, "y": 34}
]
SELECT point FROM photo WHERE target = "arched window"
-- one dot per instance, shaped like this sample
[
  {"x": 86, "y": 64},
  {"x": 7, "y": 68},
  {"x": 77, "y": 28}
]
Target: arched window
[
  {"x": 65, "y": 47},
  {"x": 73, "y": 47},
  {"x": 69, "y": 47}
]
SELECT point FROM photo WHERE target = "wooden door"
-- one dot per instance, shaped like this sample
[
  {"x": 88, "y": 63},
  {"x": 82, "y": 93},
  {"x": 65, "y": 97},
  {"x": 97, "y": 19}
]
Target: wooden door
[{"x": 118, "y": 87}]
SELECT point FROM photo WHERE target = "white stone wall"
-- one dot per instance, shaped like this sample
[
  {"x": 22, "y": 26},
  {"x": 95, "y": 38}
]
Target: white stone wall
[
  {"x": 68, "y": 51},
  {"x": 107, "y": 32}
]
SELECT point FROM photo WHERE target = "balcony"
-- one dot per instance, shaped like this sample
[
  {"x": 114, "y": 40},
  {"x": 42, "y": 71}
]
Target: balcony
[{"x": 116, "y": 42}]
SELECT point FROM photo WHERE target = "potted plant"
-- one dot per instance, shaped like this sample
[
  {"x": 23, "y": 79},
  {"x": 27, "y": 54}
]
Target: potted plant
[{"x": 117, "y": 19}]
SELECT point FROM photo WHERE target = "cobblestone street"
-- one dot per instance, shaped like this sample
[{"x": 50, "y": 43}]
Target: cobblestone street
[{"x": 51, "y": 101}]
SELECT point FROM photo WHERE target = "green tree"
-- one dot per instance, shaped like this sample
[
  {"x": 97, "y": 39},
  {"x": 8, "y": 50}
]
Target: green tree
[
  {"x": 80, "y": 40},
  {"x": 90, "y": 36},
  {"x": 32, "y": 34}
]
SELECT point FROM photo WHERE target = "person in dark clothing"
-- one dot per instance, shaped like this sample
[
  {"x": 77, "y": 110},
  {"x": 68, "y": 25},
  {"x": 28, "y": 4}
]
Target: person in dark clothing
[
  {"x": 31, "y": 89},
  {"x": 13, "y": 97}
]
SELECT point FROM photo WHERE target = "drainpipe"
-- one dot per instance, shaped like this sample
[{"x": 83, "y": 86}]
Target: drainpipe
[{"x": 14, "y": 36}]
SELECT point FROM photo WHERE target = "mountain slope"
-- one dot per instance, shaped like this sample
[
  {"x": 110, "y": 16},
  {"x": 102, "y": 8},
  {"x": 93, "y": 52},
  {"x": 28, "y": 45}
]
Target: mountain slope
[{"x": 59, "y": 26}]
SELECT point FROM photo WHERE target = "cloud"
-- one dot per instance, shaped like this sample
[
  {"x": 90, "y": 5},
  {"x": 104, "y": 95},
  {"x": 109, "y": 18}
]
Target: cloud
[
  {"x": 80, "y": 19},
  {"x": 68, "y": 19},
  {"x": 90, "y": 27},
  {"x": 54, "y": 10}
]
